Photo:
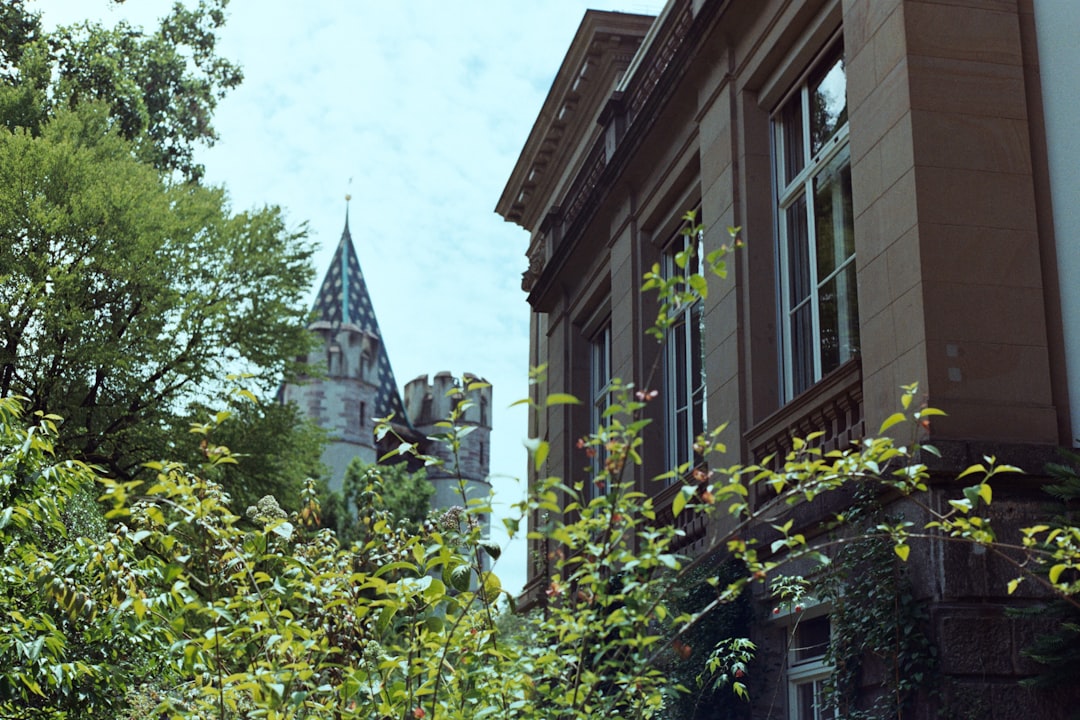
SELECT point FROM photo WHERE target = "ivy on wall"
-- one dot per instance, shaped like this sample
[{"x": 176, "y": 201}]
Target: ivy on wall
[{"x": 882, "y": 656}]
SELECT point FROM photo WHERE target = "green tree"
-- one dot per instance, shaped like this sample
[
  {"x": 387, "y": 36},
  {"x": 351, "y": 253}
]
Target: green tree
[
  {"x": 69, "y": 647},
  {"x": 405, "y": 497},
  {"x": 277, "y": 450},
  {"x": 161, "y": 86},
  {"x": 128, "y": 294}
]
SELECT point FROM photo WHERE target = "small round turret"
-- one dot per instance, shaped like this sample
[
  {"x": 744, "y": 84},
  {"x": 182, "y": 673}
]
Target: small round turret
[{"x": 429, "y": 403}]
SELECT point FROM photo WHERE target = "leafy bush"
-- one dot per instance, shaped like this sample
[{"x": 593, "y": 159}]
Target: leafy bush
[{"x": 181, "y": 605}]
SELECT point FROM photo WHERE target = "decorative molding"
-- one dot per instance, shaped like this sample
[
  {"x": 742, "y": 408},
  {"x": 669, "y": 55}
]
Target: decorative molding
[
  {"x": 833, "y": 406},
  {"x": 662, "y": 58},
  {"x": 536, "y": 265},
  {"x": 605, "y": 45},
  {"x": 585, "y": 182}
]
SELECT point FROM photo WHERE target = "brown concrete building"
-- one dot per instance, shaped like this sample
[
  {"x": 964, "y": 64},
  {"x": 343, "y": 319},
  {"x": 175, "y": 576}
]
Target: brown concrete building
[{"x": 903, "y": 172}]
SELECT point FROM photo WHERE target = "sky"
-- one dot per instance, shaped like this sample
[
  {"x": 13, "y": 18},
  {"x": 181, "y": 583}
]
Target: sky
[{"x": 418, "y": 110}]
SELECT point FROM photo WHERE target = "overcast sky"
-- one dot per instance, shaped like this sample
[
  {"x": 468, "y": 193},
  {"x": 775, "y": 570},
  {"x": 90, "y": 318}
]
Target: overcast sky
[{"x": 418, "y": 109}]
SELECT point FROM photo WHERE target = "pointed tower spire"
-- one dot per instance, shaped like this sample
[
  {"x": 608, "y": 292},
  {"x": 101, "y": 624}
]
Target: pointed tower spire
[{"x": 344, "y": 303}]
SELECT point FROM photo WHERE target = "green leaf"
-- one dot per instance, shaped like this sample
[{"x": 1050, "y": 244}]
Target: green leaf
[
  {"x": 541, "y": 454},
  {"x": 461, "y": 577},
  {"x": 698, "y": 283},
  {"x": 1013, "y": 584},
  {"x": 678, "y": 503},
  {"x": 386, "y": 616},
  {"x": 963, "y": 506},
  {"x": 971, "y": 470},
  {"x": 561, "y": 399},
  {"x": 1055, "y": 572},
  {"x": 492, "y": 586},
  {"x": 902, "y": 551},
  {"x": 894, "y": 419},
  {"x": 491, "y": 549},
  {"x": 434, "y": 592},
  {"x": 986, "y": 493},
  {"x": 972, "y": 495}
]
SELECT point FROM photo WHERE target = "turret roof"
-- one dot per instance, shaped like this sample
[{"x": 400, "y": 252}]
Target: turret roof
[{"x": 343, "y": 300}]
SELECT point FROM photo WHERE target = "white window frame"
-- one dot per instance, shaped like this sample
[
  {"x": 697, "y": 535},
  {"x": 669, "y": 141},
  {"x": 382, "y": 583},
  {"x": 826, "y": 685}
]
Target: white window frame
[
  {"x": 684, "y": 401},
  {"x": 833, "y": 155},
  {"x": 812, "y": 671},
  {"x": 599, "y": 398},
  {"x": 809, "y": 674}
]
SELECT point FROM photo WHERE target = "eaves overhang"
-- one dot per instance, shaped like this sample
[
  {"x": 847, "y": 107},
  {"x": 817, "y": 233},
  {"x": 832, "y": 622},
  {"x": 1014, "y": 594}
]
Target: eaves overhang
[
  {"x": 602, "y": 49},
  {"x": 656, "y": 75}
]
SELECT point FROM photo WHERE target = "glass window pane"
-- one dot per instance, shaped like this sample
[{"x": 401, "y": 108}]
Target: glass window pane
[
  {"x": 834, "y": 220},
  {"x": 678, "y": 374},
  {"x": 812, "y": 638},
  {"x": 802, "y": 350},
  {"x": 681, "y": 441},
  {"x": 817, "y": 242},
  {"x": 599, "y": 391},
  {"x": 806, "y": 702},
  {"x": 828, "y": 104},
  {"x": 798, "y": 251},
  {"x": 697, "y": 352},
  {"x": 809, "y": 699},
  {"x": 791, "y": 137},
  {"x": 839, "y": 316},
  {"x": 684, "y": 371}
]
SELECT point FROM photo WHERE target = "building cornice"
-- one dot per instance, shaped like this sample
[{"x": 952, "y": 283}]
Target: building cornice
[
  {"x": 627, "y": 117},
  {"x": 602, "y": 50}
]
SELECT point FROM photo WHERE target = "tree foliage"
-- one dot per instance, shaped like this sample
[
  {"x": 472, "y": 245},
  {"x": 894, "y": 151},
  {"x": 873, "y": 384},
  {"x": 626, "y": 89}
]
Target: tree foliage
[
  {"x": 130, "y": 289},
  {"x": 405, "y": 496},
  {"x": 277, "y": 450},
  {"x": 161, "y": 87},
  {"x": 184, "y": 610},
  {"x": 65, "y": 639}
]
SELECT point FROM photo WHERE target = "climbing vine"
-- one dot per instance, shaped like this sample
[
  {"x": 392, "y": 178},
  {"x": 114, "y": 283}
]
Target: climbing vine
[{"x": 878, "y": 627}]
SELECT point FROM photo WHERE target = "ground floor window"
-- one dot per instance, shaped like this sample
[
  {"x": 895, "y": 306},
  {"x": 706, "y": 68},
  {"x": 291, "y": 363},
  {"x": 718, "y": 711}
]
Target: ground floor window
[{"x": 808, "y": 671}]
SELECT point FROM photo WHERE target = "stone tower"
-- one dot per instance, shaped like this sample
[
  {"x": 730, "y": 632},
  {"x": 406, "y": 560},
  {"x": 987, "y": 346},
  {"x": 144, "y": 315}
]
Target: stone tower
[
  {"x": 429, "y": 403},
  {"x": 359, "y": 384}
]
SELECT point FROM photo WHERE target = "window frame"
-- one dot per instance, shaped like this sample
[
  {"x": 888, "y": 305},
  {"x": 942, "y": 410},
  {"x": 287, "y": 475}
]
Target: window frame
[
  {"x": 807, "y": 671},
  {"x": 600, "y": 378},
  {"x": 799, "y": 336},
  {"x": 685, "y": 411}
]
